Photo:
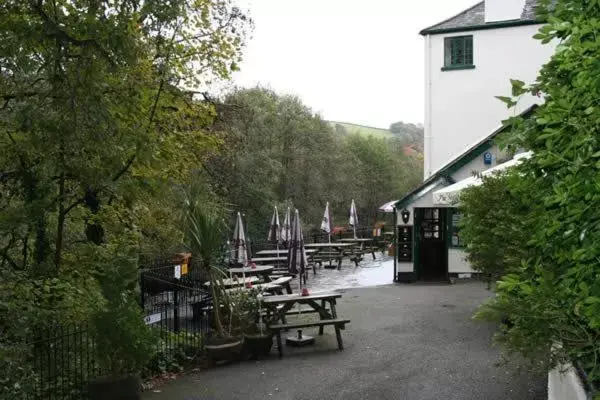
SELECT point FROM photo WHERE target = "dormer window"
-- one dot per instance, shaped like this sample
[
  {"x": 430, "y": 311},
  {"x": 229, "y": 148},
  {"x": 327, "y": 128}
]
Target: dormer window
[{"x": 458, "y": 52}]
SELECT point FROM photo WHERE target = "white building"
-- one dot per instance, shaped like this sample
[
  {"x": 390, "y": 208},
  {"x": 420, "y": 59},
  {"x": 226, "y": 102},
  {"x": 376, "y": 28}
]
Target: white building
[{"x": 469, "y": 60}]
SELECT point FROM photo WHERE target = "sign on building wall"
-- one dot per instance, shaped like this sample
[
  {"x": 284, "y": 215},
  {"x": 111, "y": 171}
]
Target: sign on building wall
[
  {"x": 487, "y": 158},
  {"x": 405, "y": 244}
]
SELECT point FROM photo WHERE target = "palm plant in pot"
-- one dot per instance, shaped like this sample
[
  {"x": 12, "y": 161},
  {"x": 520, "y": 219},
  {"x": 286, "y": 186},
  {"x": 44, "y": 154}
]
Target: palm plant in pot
[
  {"x": 123, "y": 342},
  {"x": 206, "y": 229}
]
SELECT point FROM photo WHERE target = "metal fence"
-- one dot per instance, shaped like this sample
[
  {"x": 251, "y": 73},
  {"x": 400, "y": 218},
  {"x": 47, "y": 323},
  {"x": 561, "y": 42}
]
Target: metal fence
[
  {"x": 178, "y": 306},
  {"x": 63, "y": 358}
]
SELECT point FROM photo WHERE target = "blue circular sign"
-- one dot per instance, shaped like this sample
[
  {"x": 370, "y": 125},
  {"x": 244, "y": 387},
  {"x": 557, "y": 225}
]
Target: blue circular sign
[{"x": 487, "y": 157}]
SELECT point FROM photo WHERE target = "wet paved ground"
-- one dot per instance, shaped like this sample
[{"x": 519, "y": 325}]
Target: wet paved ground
[
  {"x": 406, "y": 342},
  {"x": 369, "y": 273}
]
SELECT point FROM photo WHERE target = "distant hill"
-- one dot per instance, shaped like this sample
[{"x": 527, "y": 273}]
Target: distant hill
[{"x": 409, "y": 134}]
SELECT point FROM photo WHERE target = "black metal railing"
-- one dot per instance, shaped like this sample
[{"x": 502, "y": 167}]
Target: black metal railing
[{"x": 64, "y": 358}]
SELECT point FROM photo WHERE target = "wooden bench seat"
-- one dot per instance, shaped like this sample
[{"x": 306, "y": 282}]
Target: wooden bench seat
[
  {"x": 325, "y": 256},
  {"x": 285, "y": 282},
  {"x": 337, "y": 323}
]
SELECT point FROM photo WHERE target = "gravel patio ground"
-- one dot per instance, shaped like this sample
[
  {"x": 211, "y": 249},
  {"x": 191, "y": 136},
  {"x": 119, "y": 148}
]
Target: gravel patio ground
[{"x": 413, "y": 342}]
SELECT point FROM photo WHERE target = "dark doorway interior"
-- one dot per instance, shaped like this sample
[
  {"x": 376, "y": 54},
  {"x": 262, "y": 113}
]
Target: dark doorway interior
[{"x": 433, "y": 250}]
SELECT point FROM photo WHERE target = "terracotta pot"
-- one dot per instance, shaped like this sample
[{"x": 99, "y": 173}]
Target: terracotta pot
[{"x": 125, "y": 387}]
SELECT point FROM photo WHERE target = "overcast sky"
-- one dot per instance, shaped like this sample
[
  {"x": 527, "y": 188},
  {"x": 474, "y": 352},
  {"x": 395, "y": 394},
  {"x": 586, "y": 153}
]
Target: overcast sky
[{"x": 356, "y": 61}]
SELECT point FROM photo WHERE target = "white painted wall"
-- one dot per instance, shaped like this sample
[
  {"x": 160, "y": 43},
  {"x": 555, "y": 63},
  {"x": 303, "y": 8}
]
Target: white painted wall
[
  {"x": 460, "y": 107},
  {"x": 498, "y": 156},
  {"x": 457, "y": 262},
  {"x": 503, "y": 10},
  {"x": 564, "y": 384}
]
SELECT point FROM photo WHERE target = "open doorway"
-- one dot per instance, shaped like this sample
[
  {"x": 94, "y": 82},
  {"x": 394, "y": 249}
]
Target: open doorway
[{"x": 433, "y": 252}]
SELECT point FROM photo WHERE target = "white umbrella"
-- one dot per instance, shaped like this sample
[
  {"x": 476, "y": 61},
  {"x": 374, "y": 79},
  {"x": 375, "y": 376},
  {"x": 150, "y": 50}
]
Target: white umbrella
[
  {"x": 353, "y": 217},
  {"x": 296, "y": 258},
  {"x": 275, "y": 230},
  {"x": 240, "y": 248},
  {"x": 326, "y": 223},
  {"x": 286, "y": 232}
]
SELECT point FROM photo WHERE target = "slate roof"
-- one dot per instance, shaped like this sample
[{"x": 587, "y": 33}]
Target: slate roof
[{"x": 474, "y": 18}]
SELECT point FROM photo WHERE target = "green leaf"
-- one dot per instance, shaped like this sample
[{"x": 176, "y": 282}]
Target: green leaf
[
  {"x": 507, "y": 100},
  {"x": 518, "y": 87}
]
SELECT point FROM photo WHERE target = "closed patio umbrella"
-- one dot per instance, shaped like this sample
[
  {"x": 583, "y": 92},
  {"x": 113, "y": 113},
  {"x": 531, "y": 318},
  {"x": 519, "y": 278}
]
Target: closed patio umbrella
[
  {"x": 327, "y": 223},
  {"x": 353, "y": 217},
  {"x": 240, "y": 254},
  {"x": 275, "y": 230},
  {"x": 297, "y": 265},
  {"x": 286, "y": 228},
  {"x": 296, "y": 258}
]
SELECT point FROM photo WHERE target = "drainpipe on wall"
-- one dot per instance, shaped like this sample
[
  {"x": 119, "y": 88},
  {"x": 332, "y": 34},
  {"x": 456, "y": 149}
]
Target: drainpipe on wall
[
  {"x": 395, "y": 245},
  {"x": 428, "y": 136}
]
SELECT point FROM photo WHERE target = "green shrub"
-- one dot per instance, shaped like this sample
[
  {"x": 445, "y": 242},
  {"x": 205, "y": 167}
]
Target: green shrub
[{"x": 173, "y": 352}]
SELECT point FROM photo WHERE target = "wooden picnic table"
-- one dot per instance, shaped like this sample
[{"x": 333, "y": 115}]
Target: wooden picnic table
[
  {"x": 336, "y": 252},
  {"x": 267, "y": 287},
  {"x": 267, "y": 260},
  {"x": 263, "y": 271},
  {"x": 326, "y": 245},
  {"x": 279, "y": 307},
  {"x": 230, "y": 282},
  {"x": 282, "y": 251},
  {"x": 364, "y": 245}
]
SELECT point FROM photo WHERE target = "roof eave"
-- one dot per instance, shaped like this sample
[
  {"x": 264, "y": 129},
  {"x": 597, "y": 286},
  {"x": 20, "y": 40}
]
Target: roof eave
[
  {"x": 490, "y": 25},
  {"x": 446, "y": 171}
]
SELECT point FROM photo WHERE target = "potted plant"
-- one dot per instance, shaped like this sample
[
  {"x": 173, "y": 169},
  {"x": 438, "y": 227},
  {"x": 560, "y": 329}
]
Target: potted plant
[
  {"x": 123, "y": 342},
  {"x": 206, "y": 228},
  {"x": 258, "y": 339}
]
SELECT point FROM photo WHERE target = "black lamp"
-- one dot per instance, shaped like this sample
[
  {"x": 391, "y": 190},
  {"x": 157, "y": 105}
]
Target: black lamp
[{"x": 405, "y": 215}]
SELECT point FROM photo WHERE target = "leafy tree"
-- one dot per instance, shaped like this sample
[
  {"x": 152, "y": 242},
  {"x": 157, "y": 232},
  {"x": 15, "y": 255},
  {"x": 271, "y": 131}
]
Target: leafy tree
[
  {"x": 96, "y": 136},
  {"x": 554, "y": 296},
  {"x": 408, "y": 133},
  {"x": 278, "y": 152}
]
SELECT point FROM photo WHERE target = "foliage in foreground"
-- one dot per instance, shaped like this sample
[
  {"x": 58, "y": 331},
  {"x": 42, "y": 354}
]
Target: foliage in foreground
[
  {"x": 495, "y": 235},
  {"x": 96, "y": 138},
  {"x": 553, "y": 296}
]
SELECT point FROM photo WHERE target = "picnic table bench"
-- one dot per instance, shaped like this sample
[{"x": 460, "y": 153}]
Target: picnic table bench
[
  {"x": 263, "y": 271},
  {"x": 281, "y": 252},
  {"x": 269, "y": 260},
  {"x": 270, "y": 287},
  {"x": 328, "y": 252},
  {"x": 363, "y": 245},
  {"x": 278, "y": 307},
  {"x": 285, "y": 282},
  {"x": 231, "y": 282}
]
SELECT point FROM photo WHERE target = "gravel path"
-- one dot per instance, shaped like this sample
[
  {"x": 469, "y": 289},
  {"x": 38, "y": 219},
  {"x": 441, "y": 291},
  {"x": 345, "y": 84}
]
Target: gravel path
[{"x": 408, "y": 342}]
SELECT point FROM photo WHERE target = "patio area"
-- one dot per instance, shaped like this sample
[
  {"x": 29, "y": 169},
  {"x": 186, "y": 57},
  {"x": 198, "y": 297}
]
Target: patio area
[{"x": 404, "y": 342}]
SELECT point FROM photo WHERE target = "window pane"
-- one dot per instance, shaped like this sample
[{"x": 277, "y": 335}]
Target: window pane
[
  {"x": 469, "y": 50},
  {"x": 447, "y": 51}
]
